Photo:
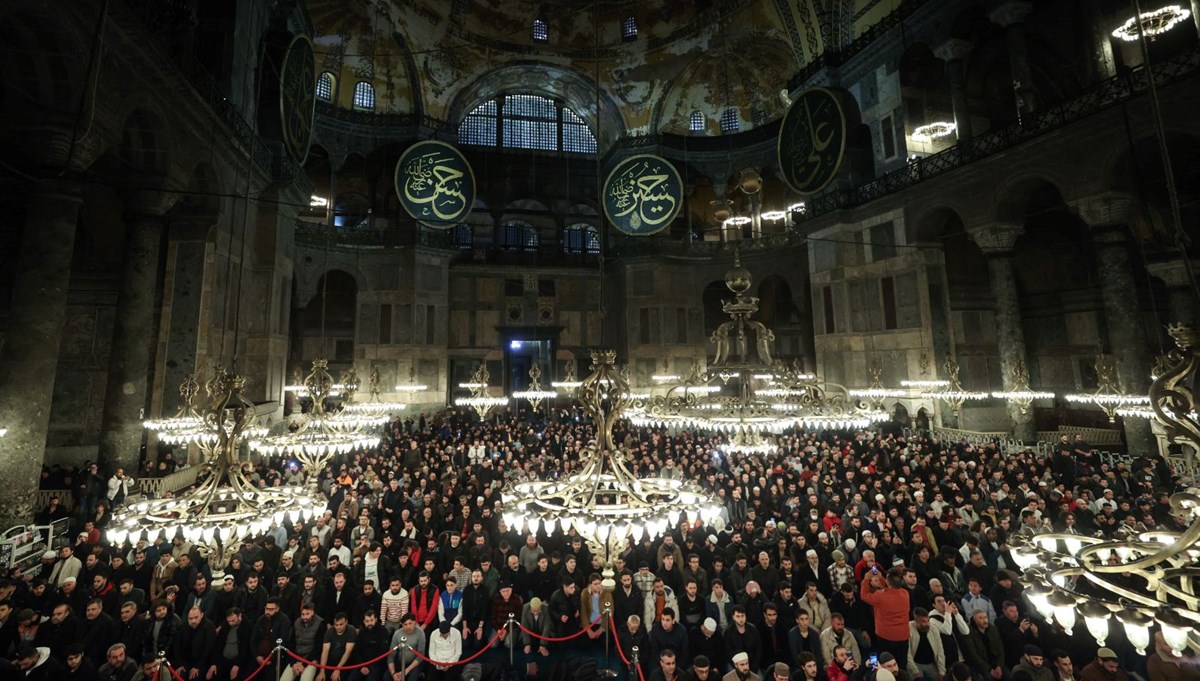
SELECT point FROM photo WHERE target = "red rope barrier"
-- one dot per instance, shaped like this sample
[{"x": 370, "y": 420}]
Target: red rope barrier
[
  {"x": 348, "y": 667},
  {"x": 175, "y": 673},
  {"x": 551, "y": 639},
  {"x": 621, "y": 653},
  {"x": 470, "y": 659}
]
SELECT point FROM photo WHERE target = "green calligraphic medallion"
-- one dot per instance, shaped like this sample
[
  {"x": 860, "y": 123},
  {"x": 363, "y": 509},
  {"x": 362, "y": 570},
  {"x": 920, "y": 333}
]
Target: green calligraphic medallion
[
  {"x": 642, "y": 195},
  {"x": 298, "y": 97},
  {"x": 812, "y": 140},
  {"x": 435, "y": 184}
]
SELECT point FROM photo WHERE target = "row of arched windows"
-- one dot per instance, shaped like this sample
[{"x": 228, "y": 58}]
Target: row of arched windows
[
  {"x": 541, "y": 31},
  {"x": 523, "y": 122},
  {"x": 516, "y": 235},
  {"x": 364, "y": 92}
]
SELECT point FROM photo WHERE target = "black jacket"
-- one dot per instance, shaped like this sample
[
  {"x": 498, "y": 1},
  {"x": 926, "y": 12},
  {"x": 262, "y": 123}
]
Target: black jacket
[{"x": 192, "y": 648}]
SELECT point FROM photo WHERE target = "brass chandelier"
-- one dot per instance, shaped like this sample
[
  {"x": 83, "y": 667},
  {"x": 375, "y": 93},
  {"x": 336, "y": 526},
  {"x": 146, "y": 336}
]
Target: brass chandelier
[
  {"x": 604, "y": 501},
  {"x": 321, "y": 437},
  {"x": 766, "y": 395},
  {"x": 480, "y": 399},
  {"x": 227, "y": 507},
  {"x": 1141, "y": 577}
]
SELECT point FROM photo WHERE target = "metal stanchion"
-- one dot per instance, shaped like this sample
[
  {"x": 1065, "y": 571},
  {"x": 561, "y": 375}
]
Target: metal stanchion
[
  {"x": 403, "y": 645},
  {"x": 511, "y": 644},
  {"x": 162, "y": 659},
  {"x": 607, "y": 672},
  {"x": 633, "y": 657},
  {"x": 278, "y": 658}
]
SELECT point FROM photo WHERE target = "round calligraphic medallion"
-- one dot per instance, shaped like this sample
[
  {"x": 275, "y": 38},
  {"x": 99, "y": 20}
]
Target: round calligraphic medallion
[
  {"x": 642, "y": 195},
  {"x": 435, "y": 184},
  {"x": 812, "y": 141},
  {"x": 298, "y": 97}
]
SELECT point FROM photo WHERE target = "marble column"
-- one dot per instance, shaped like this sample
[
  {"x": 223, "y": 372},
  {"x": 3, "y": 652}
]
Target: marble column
[
  {"x": 1011, "y": 16},
  {"x": 1107, "y": 215},
  {"x": 997, "y": 241},
  {"x": 133, "y": 340},
  {"x": 29, "y": 359},
  {"x": 1181, "y": 301},
  {"x": 954, "y": 53}
]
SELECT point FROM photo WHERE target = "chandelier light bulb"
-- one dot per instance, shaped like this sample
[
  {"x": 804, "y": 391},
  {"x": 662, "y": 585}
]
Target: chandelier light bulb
[
  {"x": 1063, "y": 607},
  {"x": 1153, "y": 23},
  {"x": 1175, "y": 630},
  {"x": 1137, "y": 628},
  {"x": 932, "y": 131},
  {"x": 1095, "y": 617}
]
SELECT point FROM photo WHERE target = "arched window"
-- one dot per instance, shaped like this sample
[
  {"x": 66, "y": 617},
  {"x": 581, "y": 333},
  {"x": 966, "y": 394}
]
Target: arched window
[
  {"x": 521, "y": 121},
  {"x": 697, "y": 122},
  {"x": 541, "y": 33},
  {"x": 464, "y": 238},
  {"x": 479, "y": 126},
  {"x": 581, "y": 238},
  {"x": 730, "y": 121},
  {"x": 517, "y": 236},
  {"x": 576, "y": 136},
  {"x": 364, "y": 96},
  {"x": 629, "y": 28},
  {"x": 325, "y": 87}
]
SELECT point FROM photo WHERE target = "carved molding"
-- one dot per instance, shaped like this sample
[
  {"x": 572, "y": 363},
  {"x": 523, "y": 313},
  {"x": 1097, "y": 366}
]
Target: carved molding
[
  {"x": 1106, "y": 209},
  {"x": 997, "y": 238},
  {"x": 954, "y": 49},
  {"x": 1012, "y": 12}
]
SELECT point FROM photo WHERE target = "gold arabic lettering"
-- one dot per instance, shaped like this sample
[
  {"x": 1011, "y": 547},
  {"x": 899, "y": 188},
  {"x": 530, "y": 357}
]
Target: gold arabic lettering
[
  {"x": 644, "y": 193},
  {"x": 438, "y": 186}
]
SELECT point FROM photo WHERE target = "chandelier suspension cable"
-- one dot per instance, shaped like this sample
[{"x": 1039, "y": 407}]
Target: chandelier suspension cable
[
  {"x": 603, "y": 223},
  {"x": 1182, "y": 240}
]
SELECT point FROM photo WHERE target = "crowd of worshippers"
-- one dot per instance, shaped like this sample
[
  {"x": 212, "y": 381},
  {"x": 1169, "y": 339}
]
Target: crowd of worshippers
[{"x": 841, "y": 557}]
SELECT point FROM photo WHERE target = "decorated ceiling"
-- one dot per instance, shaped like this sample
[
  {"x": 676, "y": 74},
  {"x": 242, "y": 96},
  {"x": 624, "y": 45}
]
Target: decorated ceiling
[{"x": 443, "y": 57}]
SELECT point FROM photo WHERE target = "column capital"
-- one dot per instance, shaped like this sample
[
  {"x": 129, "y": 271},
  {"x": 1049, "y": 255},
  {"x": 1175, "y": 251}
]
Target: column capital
[
  {"x": 148, "y": 195},
  {"x": 1010, "y": 12},
  {"x": 954, "y": 49},
  {"x": 997, "y": 238},
  {"x": 1106, "y": 209},
  {"x": 1172, "y": 272}
]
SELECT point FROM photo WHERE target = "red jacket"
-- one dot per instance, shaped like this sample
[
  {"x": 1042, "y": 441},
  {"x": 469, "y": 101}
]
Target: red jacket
[
  {"x": 835, "y": 673},
  {"x": 423, "y": 604},
  {"x": 891, "y": 611}
]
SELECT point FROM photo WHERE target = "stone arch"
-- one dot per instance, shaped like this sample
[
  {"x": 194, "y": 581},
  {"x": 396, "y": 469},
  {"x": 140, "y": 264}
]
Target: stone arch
[
  {"x": 1138, "y": 168},
  {"x": 202, "y": 194},
  {"x": 143, "y": 144},
  {"x": 1026, "y": 193},
  {"x": 575, "y": 90},
  {"x": 532, "y": 212},
  {"x": 42, "y": 62},
  {"x": 776, "y": 304},
  {"x": 714, "y": 294},
  {"x": 328, "y": 320}
]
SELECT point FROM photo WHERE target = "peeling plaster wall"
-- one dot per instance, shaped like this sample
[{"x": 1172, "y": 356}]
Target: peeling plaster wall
[{"x": 420, "y": 56}]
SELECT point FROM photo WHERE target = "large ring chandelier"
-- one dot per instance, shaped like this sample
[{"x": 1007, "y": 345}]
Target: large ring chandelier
[
  {"x": 480, "y": 399},
  {"x": 535, "y": 393},
  {"x": 1152, "y": 24},
  {"x": 605, "y": 502},
  {"x": 226, "y": 508},
  {"x": 1140, "y": 577},
  {"x": 321, "y": 437},
  {"x": 765, "y": 395},
  {"x": 1107, "y": 396},
  {"x": 952, "y": 393}
]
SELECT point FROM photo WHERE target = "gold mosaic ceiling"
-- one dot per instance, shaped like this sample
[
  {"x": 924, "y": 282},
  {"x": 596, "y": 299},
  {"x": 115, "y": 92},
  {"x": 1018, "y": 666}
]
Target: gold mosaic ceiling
[{"x": 440, "y": 57}]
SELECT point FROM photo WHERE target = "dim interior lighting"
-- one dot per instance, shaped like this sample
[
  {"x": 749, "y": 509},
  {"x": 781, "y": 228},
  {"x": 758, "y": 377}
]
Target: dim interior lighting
[
  {"x": 662, "y": 378},
  {"x": 921, "y": 384},
  {"x": 318, "y": 201},
  {"x": 1153, "y": 23},
  {"x": 797, "y": 207},
  {"x": 774, "y": 215},
  {"x": 737, "y": 221},
  {"x": 932, "y": 131}
]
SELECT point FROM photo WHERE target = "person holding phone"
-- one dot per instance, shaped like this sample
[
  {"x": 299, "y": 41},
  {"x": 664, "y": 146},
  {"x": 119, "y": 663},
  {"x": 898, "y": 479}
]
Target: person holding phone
[{"x": 890, "y": 601}]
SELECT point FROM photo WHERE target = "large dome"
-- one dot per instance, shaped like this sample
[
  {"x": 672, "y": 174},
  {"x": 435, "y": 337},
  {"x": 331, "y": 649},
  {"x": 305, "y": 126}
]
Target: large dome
[{"x": 659, "y": 60}]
